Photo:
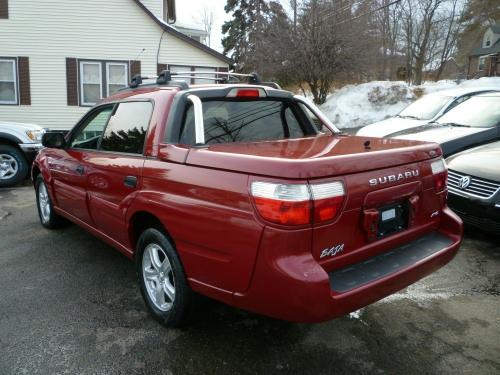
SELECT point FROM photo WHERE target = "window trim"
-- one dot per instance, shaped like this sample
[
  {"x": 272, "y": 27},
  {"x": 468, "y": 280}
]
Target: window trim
[
  {"x": 103, "y": 71},
  {"x": 15, "y": 72},
  {"x": 108, "y": 64},
  {"x": 193, "y": 68},
  {"x": 479, "y": 69},
  {"x": 81, "y": 64}
]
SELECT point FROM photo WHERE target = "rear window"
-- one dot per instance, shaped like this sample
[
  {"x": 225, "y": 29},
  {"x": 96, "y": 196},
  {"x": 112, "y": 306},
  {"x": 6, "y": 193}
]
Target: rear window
[{"x": 248, "y": 121}]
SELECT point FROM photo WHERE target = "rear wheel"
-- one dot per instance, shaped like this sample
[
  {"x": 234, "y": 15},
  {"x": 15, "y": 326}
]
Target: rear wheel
[
  {"x": 48, "y": 217},
  {"x": 162, "y": 279},
  {"x": 13, "y": 166}
]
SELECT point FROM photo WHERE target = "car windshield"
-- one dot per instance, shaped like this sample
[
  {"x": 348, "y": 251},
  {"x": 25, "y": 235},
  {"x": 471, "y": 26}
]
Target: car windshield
[
  {"x": 477, "y": 112},
  {"x": 425, "y": 108},
  {"x": 248, "y": 121}
]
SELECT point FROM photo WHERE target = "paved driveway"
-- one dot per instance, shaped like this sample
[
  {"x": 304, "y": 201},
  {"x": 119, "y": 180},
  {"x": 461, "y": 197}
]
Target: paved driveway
[{"x": 70, "y": 304}]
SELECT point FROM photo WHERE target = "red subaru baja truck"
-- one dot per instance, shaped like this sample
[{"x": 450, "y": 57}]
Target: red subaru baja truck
[{"x": 247, "y": 194}]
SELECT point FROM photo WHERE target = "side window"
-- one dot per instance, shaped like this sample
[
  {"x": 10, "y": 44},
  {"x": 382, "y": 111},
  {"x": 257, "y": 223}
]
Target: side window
[
  {"x": 315, "y": 121},
  {"x": 89, "y": 134},
  {"x": 126, "y": 130}
]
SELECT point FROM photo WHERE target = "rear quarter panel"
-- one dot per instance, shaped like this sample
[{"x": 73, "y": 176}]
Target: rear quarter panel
[{"x": 209, "y": 215}]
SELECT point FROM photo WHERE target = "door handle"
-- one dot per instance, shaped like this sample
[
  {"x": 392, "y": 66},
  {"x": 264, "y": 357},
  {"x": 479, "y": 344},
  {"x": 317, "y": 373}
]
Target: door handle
[
  {"x": 80, "y": 170},
  {"x": 130, "y": 181}
]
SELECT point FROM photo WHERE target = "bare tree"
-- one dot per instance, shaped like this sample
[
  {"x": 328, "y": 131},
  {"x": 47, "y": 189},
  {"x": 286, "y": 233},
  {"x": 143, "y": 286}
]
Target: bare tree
[
  {"x": 207, "y": 18},
  {"x": 451, "y": 28}
]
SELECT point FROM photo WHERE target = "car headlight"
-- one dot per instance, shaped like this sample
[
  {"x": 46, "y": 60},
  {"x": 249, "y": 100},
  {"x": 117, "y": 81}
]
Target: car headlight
[{"x": 35, "y": 135}]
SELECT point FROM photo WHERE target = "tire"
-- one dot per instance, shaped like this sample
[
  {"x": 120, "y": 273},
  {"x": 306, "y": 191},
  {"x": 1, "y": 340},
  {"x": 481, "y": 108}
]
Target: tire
[
  {"x": 162, "y": 279},
  {"x": 13, "y": 166},
  {"x": 48, "y": 218}
]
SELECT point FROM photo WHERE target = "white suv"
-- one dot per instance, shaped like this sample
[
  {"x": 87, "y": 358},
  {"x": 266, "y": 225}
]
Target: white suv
[{"x": 19, "y": 144}]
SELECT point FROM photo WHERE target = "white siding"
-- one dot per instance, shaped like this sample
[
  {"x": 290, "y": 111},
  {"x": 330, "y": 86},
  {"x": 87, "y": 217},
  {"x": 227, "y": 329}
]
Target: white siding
[
  {"x": 491, "y": 36},
  {"x": 155, "y": 6},
  {"x": 49, "y": 31}
]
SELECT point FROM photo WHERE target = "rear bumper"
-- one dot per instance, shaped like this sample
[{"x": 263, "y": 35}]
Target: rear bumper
[{"x": 297, "y": 288}]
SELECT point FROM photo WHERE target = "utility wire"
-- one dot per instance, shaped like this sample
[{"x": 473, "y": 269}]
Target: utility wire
[{"x": 360, "y": 15}]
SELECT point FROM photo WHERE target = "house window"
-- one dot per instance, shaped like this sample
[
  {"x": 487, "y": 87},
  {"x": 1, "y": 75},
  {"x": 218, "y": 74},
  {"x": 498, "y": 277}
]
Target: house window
[
  {"x": 181, "y": 69},
  {"x": 488, "y": 43},
  {"x": 91, "y": 82},
  {"x": 100, "y": 79},
  {"x": 117, "y": 77},
  {"x": 481, "y": 63},
  {"x": 8, "y": 81},
  {"x": 200, "y": 81}
]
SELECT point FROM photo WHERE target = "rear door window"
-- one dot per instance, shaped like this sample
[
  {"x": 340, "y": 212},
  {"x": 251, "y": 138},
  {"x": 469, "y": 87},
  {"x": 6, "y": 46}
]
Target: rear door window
[
  {"x": 127, "y": 127},
  {"x": 247, "y": 121}
]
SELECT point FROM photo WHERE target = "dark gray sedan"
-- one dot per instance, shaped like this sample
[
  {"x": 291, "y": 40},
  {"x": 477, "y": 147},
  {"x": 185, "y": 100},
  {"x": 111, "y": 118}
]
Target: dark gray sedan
[
  {"x": 474, "y": 186},
  {"x": 472, "y": 123}
]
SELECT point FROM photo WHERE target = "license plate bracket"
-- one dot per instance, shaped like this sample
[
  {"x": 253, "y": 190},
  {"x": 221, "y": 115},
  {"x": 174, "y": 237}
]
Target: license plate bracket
[{"x": 393, "y": 218}]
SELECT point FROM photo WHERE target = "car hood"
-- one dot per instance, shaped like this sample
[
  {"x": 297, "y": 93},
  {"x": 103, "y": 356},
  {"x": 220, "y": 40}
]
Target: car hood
[
  {"x": 453, "y": 139},
  {"x": 389, "y": 126},
  {"x": 440, "y": 133},
  {"x": 482, "y": 162},
  {"x": 18, "y": 125}
]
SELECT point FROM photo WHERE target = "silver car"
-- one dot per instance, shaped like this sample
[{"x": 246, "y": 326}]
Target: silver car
[{"x": 423, "y": 111}]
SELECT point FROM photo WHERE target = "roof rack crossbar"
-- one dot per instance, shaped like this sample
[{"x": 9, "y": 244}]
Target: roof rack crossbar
[{"x": 166, "y": 77}]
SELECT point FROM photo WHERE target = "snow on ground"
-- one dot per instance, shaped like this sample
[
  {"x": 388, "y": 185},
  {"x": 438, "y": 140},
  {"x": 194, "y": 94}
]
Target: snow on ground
[{"x": 354, "y": 106}]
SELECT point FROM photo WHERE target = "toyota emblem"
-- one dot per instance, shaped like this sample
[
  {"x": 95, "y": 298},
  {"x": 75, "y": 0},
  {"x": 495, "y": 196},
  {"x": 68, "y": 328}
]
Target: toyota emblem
[{"x": 464, "y": 182}]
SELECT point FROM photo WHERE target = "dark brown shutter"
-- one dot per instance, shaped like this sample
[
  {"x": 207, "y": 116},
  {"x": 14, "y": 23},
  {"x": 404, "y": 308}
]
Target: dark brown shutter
[
  {"x": 72, "y": 80},
  {"x": 23, "y": 67},
  {"x": 161, "y": 68},
  {"x": 135, "y": 68},
  {"x": 4, "y": 9}
]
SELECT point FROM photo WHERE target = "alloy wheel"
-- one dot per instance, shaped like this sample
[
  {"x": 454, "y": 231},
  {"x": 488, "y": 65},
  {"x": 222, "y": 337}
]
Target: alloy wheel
[
  {"x": 9, "y": 166},
  {"x": 44, "y": 202},
  {"x": 158, "y": 277}
]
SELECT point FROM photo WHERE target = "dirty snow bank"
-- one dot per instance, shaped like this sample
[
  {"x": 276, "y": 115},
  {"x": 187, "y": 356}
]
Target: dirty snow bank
[{"x": 356, "y": 105}]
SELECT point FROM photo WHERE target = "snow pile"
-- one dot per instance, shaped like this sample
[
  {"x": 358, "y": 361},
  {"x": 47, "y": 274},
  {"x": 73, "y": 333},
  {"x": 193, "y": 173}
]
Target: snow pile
[{"x": 357, "y": 105}]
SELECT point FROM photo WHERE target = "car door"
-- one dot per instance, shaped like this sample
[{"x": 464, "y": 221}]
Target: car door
[
  {"x": 115, "y": 169},
  {"x": 68, "y": 166}
]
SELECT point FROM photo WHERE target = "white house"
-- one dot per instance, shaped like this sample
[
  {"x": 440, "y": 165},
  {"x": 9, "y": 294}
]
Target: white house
[{"x": 57, "y": 58}]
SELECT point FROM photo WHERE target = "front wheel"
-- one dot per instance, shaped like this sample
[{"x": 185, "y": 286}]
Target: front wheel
[
  {"x": 13, "y": 166},
  {"x": 162, "y": 279},
  {"x": 48, "y": 217}
]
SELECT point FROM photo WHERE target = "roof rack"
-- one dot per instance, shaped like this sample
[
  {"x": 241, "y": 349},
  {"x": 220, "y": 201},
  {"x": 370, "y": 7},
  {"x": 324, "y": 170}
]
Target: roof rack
[{"x": 166, "y": 77}]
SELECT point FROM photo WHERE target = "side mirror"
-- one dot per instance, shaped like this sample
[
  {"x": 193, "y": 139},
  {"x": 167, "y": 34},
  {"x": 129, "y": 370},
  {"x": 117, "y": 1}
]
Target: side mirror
[{"x": 53, "y": 140}]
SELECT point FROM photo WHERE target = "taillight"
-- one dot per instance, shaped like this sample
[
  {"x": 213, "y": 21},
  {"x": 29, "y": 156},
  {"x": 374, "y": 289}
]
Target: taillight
[
  {"x": 440, "y": 175},
  {"x": 298, "y": 204},
  {"x": 287, "y": 204},
  {"x": 247, "y": 93},
  {"x": 328, "y": 199}
]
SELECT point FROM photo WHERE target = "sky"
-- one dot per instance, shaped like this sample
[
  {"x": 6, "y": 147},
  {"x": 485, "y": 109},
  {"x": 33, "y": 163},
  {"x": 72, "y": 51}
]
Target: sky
[{"x": 189, "y": 13}]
